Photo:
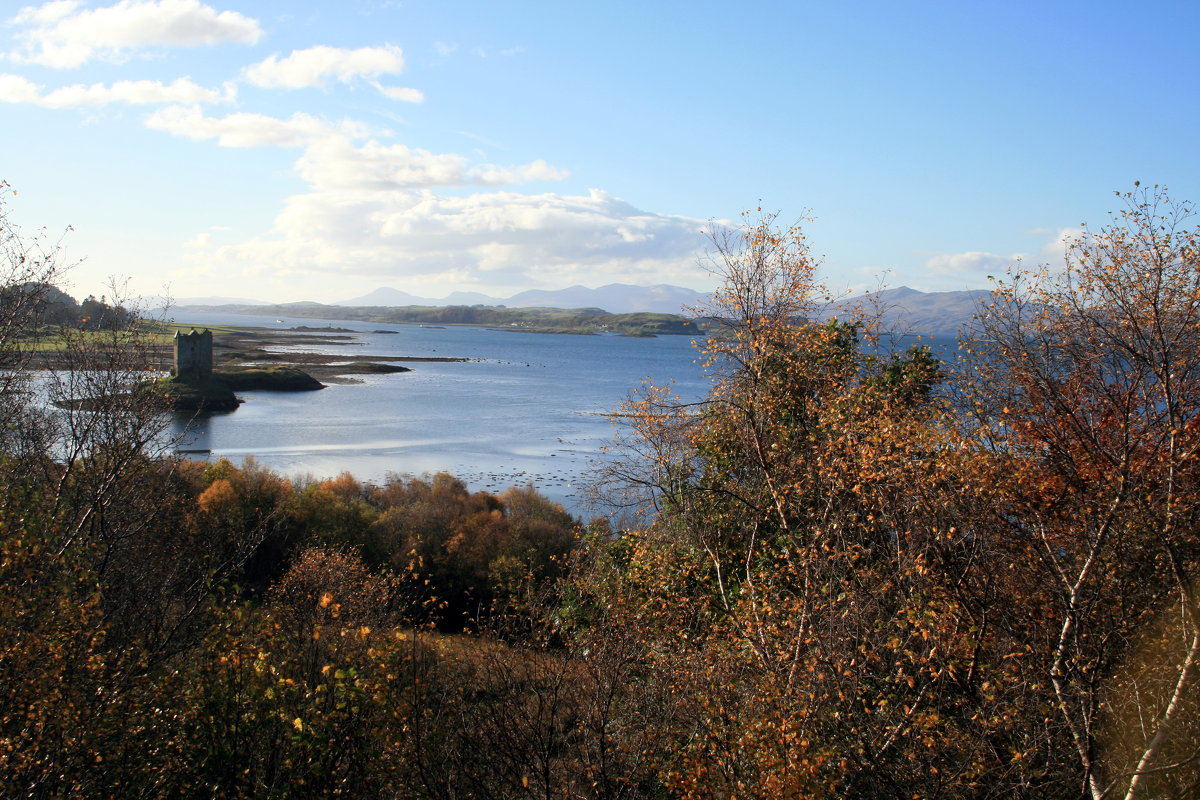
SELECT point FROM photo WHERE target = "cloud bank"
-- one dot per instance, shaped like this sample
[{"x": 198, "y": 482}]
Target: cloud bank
[
  {"x": 17, "y": 89},
  {"x": 486, "y": 238},
  {"x": 978, "y": 263},
  {"x": 59, "y": 34},
  {"x": 378, "y": 210},
  {"x": 311, "y": 67},
  {"x": 315, "y": 66}
]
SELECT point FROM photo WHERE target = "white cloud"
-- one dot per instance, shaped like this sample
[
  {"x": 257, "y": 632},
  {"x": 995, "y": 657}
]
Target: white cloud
[
  {"x": 979, "y": 263},
  {"x": 332, "y": 161},
  {"x": 972, "y": 262},
  {"x": 374, "y": 212},
  {"x": 16, "y": 89},
  {"x": 45, "y": 14},
  {"x": 336, "y": 163},
  {"x": 495, "y": 238},
  {"x": 402, "y": 94},
  {"x": 312, "y": 67},
  {"x": 246, "y": 129},
  {"x": 1055, "y": 250},
  {"x": 59, "y": 34}
]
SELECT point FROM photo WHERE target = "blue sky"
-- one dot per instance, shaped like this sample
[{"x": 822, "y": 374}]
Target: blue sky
[{"x": 314, "y": 151}]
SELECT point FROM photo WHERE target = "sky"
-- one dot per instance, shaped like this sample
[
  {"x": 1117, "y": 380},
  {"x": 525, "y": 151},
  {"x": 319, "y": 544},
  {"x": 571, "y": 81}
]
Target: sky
[{"x": 311, "y": 150}]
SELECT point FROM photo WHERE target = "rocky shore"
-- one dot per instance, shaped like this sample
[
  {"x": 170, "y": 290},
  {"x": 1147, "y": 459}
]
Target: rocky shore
[
  {"x": 260, "y": 359},
  {"x": 246, "y": 347}
]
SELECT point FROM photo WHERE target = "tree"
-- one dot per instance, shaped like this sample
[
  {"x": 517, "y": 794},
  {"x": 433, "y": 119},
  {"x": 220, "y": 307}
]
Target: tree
[
  {"x": 99, "y": 315},
  {"x": 103, "y": 579},
  {"x": 28, "y": 269},
  {"x": 1085, "y": 392},
  {"x": 800, "y": 586},
  {"x": 869, "y": 575}
]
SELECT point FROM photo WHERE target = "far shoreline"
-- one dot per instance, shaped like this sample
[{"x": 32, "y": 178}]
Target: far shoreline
[{"x": 498, "y": 318}]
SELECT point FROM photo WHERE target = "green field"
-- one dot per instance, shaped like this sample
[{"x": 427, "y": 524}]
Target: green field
[{"x": 147, "y": 333}]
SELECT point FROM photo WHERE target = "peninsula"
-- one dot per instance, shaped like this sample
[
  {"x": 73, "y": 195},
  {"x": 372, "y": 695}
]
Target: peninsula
[{"x": 208, "y": 369}]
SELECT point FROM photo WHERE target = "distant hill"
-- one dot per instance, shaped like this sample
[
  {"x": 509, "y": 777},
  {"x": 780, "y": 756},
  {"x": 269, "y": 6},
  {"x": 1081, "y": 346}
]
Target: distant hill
[
  {"x": 619, "y": 298},
  {"x": 538, "y": 320},
  {"x": 386, "y": 296},
  {"x": 467, "y": 299},
  {"x": 616, "y": 298},
  {"x": 905, "y": 310}
]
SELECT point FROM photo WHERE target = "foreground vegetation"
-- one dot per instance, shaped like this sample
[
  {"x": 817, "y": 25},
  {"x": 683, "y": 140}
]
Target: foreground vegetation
[{"x": 851, "y": 573}]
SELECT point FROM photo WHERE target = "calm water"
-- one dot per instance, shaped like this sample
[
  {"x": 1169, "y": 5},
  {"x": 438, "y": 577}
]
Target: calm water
[{"x": 529, "y": 408}]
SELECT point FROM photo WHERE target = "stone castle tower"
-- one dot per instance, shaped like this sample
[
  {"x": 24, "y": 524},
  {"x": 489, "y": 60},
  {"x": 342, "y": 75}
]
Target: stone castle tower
[{"x": 194, "y": 355}]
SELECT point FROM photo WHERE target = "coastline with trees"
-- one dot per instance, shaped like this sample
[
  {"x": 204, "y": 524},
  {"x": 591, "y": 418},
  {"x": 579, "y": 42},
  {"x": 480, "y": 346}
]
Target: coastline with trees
[
  {"x": 528, "y": 320},
  {"x": 846, "y": 572}
]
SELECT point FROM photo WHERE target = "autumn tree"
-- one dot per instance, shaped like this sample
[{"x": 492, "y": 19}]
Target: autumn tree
[
  {"x": 1085, "y": 391},
  {"x": 799, "y": 587},
  {"x": 102, "y": 579},
  {"x": 28, "y": 270}
]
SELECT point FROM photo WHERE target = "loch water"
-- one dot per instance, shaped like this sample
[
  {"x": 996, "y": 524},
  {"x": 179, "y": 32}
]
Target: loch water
[{"x": 527, "y": 408}]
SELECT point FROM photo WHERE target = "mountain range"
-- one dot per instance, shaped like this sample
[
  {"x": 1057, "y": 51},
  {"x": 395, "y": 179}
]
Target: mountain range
[
  {"x": 616, "y": 298},
  {"x": 902, "y": 309}
]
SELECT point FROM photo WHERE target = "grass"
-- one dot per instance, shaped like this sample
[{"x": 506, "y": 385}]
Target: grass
[
  {"x": 147, "y": 333},
  {"x": 169, "y": 329}
]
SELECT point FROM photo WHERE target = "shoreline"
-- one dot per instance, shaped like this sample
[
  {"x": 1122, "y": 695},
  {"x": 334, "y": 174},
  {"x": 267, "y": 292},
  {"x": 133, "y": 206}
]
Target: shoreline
[
  {"x": 499, "y": 318},
  {"x": 251, "y": 346}
]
